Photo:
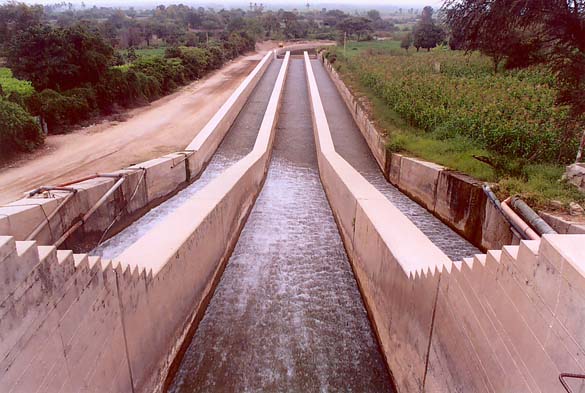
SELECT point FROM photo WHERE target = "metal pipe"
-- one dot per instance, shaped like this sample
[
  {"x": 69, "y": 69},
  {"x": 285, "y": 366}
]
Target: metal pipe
[
  {"x": 121, "y": 211},
  {"x": 531, "y": 217},
  {"x": 43, "y": 224},
  {"x": 89, "y": 177},
  {"x": 496, "y": 202},
  {"x": 49, "y": 188},
  {"x": 91, "y": 211},
  {"x": 525, "y": 228}
]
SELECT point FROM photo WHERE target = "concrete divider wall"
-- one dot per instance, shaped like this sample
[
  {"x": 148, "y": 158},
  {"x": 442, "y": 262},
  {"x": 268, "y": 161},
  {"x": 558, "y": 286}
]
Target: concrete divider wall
[
  {"x": 508, "y": 321},
  {"x": 146, "y": 185},
  {"x": 457, "y": 199},
  {"x": 76, "y": 323}
]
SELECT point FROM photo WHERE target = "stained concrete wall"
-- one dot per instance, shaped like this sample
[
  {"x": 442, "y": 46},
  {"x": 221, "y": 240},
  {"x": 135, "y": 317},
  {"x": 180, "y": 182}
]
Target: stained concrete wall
[
  {"x": 508, "y": 321},
  {"x": 455, "y": 198},
  {"x": 147, "y": 184},
  {"x": 71, "y": 322}
]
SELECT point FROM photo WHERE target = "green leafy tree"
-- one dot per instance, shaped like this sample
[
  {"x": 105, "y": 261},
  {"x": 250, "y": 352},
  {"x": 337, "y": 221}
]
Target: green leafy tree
[
  {"x": 427, "y": 35},
  {"x": 59, "y": 58},
  {"x": 16, "y": 17}
]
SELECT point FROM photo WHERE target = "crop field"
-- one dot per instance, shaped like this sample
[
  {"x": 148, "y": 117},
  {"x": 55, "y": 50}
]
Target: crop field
[
  {"x": 12, "y": 85},
  {"x": 148, "y": 53},
  {"x": 450, "y": 108}
]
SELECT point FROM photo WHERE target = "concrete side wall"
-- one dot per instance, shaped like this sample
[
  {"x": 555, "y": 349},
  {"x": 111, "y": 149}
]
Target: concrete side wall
[
  {"x": 146, "y": 185},
  {"x": 70, "y": 322},
  {"x": 387, "y": 263},
  {"x": 508, "y": 321},
  {"x": 455, "y": 198}
]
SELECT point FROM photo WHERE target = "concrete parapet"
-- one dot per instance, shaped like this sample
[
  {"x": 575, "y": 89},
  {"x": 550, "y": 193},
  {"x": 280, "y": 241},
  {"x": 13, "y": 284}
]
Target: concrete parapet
[
  {"x": 46, "y": 216},
  {"x": 457, "y": 199},
  {"x": 69, "y": 322},
  {"x": 506, "y": 321}
]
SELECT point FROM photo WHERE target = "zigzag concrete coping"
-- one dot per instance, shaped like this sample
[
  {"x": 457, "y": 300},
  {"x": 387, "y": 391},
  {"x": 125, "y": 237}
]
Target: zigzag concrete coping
[
  {"x": 78, "y": 323},
  {"x": 157, "y": 246},
  {"x": 415, "y": 253}
]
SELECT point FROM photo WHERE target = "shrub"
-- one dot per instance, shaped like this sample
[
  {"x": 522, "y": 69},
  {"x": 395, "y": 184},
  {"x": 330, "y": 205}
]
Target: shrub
[
  {"x": 195, "y": 61},
  {"x": 62, "y": 110},
  {"x": 19, "y": 131}
]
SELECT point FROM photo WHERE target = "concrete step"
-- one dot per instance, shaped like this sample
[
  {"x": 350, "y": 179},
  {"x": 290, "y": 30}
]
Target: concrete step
[
  {"x": 38, "y": 349},
  {"x": 539, "y": 318},
  {"x": 16, "y": 267},
  {"x": 534, "y": 362},
  {"x": 473, "y": 281},
  {"x": 7, "y": 247}
]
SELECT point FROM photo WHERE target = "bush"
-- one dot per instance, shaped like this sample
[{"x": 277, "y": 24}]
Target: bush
[
  {"x": 195, "y": 61},
  {"x": 19, "y": 131},
  {"x": 168, "y": 72},
  {"x": 62, "y": 110}
]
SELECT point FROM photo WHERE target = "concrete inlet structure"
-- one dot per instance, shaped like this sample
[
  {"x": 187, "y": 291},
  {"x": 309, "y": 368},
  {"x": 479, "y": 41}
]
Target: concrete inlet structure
[{"x": 289, "y": 264}]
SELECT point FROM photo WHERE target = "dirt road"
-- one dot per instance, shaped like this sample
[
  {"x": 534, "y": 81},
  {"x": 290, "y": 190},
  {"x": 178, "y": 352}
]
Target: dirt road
[{"x": 164, "y": 126}]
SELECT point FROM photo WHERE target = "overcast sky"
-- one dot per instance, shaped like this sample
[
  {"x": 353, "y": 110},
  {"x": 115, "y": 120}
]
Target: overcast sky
[{"x": 236, "y": 3}]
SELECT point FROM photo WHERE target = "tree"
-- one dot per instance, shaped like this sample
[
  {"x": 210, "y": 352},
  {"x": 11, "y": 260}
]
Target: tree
[
  {"x": 426, "y": 34},
  {"x": 59, "y": 58},
  {"x": 16, "y": 17},
  {"x": 355, "y": 26},
  {"x": 406, "y": 41},
  {"x": 482, "y": 26},
  {"x": 374, "y": 15}
]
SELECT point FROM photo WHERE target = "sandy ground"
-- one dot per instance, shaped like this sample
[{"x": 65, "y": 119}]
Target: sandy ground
[{"x": 164, "y": 126}]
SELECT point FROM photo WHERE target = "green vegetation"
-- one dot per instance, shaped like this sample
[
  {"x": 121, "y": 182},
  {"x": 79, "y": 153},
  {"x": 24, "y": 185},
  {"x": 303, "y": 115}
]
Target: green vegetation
[
  {"x": 18, "y": 130},
  {"x": 10, "y": 84},
  {"x": 450, "y": 108},
  {"x": 67, "y": 64}
]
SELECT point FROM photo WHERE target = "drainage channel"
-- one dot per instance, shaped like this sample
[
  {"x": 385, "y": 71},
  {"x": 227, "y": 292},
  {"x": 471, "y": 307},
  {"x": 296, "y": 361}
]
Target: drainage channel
[
  {"x": 350, "y": 144},
  {"x": 287, "y": 314},
  {"x": 238, "y": 142}
]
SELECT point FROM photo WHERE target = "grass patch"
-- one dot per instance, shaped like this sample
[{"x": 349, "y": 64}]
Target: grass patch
[{"x": 12, "y": 85}]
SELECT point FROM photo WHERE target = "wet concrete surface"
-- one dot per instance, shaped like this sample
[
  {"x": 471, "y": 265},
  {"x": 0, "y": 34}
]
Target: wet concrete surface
[
  {"x": 238, "y": 142},
  {"x": 287, "y": 314},
  {"x": 351, "y": 145}
]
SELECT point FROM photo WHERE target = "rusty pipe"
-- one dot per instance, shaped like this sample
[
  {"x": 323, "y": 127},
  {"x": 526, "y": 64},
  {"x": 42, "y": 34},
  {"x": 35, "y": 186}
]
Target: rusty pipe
[
  {"x": 498, "y": 205},
  {"x": 526, "y": 229},
  {"x": 87, "y": 215},
  {"x": 89, "y": 177}
]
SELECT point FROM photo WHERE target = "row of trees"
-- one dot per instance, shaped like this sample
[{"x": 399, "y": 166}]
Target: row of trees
[{"x": 179, "y": 24}]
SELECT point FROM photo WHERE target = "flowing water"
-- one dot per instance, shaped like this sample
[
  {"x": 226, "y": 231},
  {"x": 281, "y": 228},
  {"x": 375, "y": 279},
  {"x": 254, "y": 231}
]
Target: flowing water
[
  {"x": 238, "y": 142},
  {"x": 287, "y": 314}
]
